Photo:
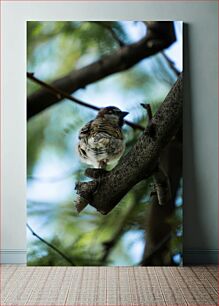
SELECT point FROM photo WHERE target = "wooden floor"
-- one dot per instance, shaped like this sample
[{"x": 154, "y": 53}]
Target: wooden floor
[{"x": 105, "y": 286}]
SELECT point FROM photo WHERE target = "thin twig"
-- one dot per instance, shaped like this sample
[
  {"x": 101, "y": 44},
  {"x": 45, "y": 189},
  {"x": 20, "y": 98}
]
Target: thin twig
[
  {"x": 151, "y": 125},
  {"x": 171, "y": 64},
  {"x": 61, "y": 94},
  {"x": 149, "y": 111},
  {"x": 161, "y": 180},
  {"x": 162, "y": 186},
  {"x": 50, "y": 245}
]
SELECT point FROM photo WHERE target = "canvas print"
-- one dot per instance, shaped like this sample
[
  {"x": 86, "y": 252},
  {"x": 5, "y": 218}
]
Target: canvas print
[{"x": 104, "y": 143}]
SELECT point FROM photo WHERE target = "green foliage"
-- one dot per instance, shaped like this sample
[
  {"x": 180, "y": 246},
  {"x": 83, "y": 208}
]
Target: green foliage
[{"x": 63, "y": 46}]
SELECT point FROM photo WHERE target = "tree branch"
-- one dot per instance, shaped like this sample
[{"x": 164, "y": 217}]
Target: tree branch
[
  {"x": 50, "y": 245},
  {"x": 61, "y": 94},
  {"x": 161, "y": 180},
  {"x": 162, "y": 186},
  {"x": 141, "y": 161},
  {"x": 171, "y": 64},
  {"x": 160, "y": 35},
  {"x": 158, "y": 226},
  {"x": 146, "y": 261}
]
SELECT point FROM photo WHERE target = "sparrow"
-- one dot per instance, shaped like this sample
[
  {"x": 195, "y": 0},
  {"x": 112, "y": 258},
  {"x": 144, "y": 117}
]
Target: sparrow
[{"x": 101, "y": 141}]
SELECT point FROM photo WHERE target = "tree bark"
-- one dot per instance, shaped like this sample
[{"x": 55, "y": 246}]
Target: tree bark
[
  {"x": 158, "y": 229},
  {"x": 107, "y": 191},
  {"x": 160, "y": 35}
]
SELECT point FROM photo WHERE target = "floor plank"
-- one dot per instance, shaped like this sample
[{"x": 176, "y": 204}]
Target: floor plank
[{"x": 108, "y": 286}]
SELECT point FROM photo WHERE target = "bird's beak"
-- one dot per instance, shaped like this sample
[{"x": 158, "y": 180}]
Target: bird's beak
[{"x": 123, "y": 114}]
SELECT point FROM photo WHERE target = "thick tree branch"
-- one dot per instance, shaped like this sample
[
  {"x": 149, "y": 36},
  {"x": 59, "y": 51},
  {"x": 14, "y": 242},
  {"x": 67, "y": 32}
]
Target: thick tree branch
[
  {"x": 142, "y": 159},
  {"x": 160, "y": 35}
]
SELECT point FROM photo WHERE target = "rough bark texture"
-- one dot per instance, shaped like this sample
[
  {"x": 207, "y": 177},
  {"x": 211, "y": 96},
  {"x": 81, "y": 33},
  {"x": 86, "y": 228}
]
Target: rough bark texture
[
  {"x": 141, "y": 161},
  {"x": 162, "y": 186},
  {"x": 160, "y": 35},
  {"x": 158, "y": 229}
]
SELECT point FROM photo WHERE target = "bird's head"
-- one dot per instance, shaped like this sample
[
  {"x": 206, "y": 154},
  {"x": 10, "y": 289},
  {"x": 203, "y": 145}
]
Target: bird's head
[{"x": 113, "y": 114}]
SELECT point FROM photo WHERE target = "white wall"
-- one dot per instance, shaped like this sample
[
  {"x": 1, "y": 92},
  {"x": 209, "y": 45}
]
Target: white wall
[{"x": 200, "y": 112}]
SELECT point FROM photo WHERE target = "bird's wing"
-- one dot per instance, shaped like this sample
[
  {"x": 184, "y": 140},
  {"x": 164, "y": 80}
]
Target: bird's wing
[
  {"x": 103, "y": 126},
  {"x": 97, "y": 126},
  {"x": 85, "y": 131}
]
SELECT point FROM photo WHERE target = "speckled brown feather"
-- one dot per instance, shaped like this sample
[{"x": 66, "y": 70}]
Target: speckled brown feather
[
  {"x": 101, "y": 140},
  {"x": 100, "y": 125}
]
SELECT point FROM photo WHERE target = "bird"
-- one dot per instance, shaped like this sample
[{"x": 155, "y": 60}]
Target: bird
[{"x": 101, "y": 140}]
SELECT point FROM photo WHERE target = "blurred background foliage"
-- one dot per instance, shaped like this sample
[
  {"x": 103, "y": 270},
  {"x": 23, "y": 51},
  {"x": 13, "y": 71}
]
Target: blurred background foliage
[{"x": 53, "y": 50}]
